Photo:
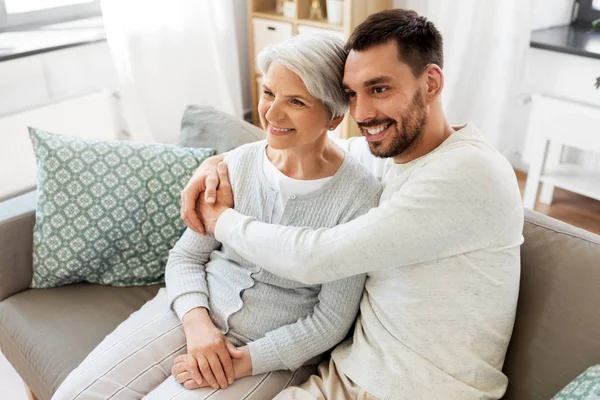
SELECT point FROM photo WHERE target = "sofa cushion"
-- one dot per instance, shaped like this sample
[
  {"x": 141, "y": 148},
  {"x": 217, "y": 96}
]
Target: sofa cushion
[
  {"x": 107, "y": 211},
  {"x": 557, "y": 327},
  {"x": 585, "y": 387},
  {"x": 46, "y": 333},
  {"x": 203, "y": 126}
]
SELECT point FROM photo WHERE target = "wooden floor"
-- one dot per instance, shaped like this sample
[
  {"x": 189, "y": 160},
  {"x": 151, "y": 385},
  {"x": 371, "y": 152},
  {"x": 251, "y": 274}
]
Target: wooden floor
[{"x": 569, "y": 207}]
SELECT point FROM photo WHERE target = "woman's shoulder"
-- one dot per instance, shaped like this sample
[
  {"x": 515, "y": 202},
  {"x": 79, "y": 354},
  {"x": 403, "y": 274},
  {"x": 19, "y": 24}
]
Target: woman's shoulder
[
  {"x": 361, "y": 179},
  {"x": 248, "y": 150}
]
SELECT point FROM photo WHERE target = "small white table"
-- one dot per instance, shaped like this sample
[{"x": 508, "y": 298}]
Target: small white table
[{"x": 556, "y": 123}]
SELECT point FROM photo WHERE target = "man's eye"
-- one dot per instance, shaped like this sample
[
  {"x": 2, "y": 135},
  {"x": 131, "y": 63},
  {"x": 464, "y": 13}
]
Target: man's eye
[
  {"x": 351, "y": 94},
  {"x": 268, "y": 93},
  {"x": 378, "y": 90}
]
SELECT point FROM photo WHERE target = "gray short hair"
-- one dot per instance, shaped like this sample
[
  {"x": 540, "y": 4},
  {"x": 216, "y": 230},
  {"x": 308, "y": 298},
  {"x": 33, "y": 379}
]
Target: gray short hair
[{"x": 318, "y": 59}]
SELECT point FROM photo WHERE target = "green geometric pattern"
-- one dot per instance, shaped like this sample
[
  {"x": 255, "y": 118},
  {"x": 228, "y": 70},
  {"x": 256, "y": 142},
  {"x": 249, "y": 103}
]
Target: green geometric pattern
[
  {"x": 107, "y": 211},
  {"x": 585, "y": 387}
]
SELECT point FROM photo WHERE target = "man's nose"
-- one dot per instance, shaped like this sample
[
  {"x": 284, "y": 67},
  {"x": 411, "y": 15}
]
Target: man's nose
[{"x": 362, "y": 109}]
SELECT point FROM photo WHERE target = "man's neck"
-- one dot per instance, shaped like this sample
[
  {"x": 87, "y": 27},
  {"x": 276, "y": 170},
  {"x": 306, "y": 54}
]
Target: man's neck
[{"x": 434, "y": 134}]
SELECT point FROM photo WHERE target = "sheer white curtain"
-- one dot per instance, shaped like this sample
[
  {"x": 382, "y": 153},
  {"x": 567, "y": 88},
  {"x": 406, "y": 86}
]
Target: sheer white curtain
[
  {"x": 485, "y": 48},
  {"x": 171, "y": 53}
]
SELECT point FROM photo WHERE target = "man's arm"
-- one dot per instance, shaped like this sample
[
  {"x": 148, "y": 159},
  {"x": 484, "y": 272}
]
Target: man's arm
[
  {"x": 205, "y": 179},
  {"x": 438, "y": 213}
]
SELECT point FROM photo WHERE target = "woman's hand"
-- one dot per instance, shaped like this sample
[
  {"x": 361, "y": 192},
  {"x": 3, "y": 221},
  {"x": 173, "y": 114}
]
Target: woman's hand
[
  {"x": 206, "y": 180},
  {"x": 242, "y": 366},
  {"x": 208, "y": 359},
  {"x": 210, "y": 213}
]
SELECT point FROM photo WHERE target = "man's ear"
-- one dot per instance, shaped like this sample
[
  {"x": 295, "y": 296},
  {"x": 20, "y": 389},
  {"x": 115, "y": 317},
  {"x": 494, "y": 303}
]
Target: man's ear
[{"x": 434, "y": 79}]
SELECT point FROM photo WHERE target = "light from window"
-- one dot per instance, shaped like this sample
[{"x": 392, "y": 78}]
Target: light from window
[
  {"x": 22, "y": 6},
  {"x": 596, "y": 5}
]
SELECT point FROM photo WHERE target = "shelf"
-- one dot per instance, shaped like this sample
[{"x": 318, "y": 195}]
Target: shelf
[
  {"x": 320, "y": 24},
  {"x": 273, "y": 16},
  {"x": 575, "y": 179}
]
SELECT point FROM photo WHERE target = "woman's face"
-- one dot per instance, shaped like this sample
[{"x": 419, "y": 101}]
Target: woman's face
[{"x": 290, "y": 116}]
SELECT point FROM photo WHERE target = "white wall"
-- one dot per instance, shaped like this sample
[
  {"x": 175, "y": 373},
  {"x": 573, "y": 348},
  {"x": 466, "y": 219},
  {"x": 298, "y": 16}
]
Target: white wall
[
  {"x": 546, "y": 13},
  {"x": 549, "y": 13}
]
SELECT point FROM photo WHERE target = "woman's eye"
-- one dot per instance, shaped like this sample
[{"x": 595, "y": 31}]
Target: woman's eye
[
  {"x": 378, "y": 90},
  {"x": 297, "y": 102},
  {"x": 268, "y": 93}
]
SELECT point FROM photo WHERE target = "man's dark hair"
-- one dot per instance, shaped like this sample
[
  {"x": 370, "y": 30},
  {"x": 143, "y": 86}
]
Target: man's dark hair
[{"x": 418, "y": 40}]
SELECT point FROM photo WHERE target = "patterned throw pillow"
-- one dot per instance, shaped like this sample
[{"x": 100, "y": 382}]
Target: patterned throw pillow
[
  {"x": 585, "y": 387},
  {"x": 108, "y": 211}
]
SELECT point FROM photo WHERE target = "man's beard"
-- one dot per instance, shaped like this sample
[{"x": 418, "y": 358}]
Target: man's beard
[{"x": 410, "y": 131}]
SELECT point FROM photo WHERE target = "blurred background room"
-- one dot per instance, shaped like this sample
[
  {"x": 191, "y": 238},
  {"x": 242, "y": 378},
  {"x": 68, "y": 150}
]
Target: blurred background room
[{"x": 523, "y": 71}]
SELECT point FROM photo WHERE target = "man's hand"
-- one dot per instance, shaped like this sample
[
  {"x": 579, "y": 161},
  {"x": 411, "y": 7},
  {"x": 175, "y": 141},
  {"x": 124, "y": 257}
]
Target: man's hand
[
  {"x": 210, "y": 213},
  {"x": 242, "y": 366},
  {"x": 206, "y": 180},
  {"x": 209, "y": 359}
]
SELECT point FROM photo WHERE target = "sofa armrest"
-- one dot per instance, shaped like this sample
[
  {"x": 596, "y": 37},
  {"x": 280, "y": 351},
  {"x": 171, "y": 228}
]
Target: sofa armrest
[{"x": 17, "y": 218}]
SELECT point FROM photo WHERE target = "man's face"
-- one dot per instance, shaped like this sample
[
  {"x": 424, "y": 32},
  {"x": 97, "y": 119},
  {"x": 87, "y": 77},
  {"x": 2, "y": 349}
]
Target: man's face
[{"x": 386, "y": 100}]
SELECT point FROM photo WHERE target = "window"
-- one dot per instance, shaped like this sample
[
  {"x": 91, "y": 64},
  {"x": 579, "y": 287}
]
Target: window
[
  {"x": 21, "y": 6},
  {"x": 17, "y": 13}
]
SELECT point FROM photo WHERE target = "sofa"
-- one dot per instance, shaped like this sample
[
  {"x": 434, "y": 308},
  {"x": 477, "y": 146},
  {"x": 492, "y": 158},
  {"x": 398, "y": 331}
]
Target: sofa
[{"x": 46, "y": 333}]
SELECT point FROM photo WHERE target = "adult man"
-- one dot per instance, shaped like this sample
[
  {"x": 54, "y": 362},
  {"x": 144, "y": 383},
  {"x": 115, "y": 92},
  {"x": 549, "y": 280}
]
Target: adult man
[{"x": 441, "y": 250}]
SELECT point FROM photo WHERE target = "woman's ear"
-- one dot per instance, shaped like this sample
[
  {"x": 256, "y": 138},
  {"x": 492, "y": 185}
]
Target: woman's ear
[
  {"x": 335, "y": 122},
  {"x": 435, "y": 82}
]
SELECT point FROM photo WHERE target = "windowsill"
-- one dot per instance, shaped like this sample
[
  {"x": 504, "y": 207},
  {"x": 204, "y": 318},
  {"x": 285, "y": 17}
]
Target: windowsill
[
  {"x": 24, "y": 43},
  {"x": 569, "y": 39}
]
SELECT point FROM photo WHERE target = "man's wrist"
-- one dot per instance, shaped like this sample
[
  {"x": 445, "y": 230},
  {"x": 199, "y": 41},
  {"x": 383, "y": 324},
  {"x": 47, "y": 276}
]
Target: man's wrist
[{"x": 226, "y": 223}]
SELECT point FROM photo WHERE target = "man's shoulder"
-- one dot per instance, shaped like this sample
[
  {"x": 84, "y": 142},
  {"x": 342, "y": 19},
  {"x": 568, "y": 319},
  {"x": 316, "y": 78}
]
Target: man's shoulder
[
  {"x": 470, "y": 158},
  {"x": 473, "y": 174}
]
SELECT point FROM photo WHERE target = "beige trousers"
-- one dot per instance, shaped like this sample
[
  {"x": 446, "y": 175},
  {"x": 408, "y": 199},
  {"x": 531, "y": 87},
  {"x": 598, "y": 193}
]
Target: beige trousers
[
  {"x": 135, "y": 361},
  {"x": 330, "y": 384}
]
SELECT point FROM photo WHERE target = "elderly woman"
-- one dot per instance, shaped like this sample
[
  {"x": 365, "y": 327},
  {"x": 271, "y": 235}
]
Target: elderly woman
[{"x": 223, "y": 324}]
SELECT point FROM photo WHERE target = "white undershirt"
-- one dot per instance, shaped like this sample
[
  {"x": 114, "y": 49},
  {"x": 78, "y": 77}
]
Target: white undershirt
[{"x": 288, "y": 187}]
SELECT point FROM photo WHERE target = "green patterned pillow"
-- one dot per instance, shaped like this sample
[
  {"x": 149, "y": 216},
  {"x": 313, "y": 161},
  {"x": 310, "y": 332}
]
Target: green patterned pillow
[
  {"x": 108, "y": 211},
  {"x": 585, "y": 387}
]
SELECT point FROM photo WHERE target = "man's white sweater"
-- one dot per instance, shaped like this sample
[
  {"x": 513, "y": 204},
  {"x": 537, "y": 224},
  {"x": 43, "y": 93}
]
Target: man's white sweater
[{"x": 442, "y": 255}]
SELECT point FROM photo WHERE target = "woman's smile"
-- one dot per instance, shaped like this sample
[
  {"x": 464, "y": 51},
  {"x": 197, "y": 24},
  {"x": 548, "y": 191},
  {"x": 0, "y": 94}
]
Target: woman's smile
[{"x": 278, "y": 131}]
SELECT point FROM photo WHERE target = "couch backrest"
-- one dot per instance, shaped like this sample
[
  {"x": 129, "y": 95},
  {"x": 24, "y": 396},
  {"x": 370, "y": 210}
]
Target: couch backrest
[
  {"x": 203, "y": 126},
  {"x": 557, "y": 329}
]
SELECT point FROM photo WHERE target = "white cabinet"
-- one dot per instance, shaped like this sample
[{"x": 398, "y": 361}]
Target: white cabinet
[
  {"x": 268, "y": 32},
  {"x": 561, "y": 143},
  {"x": 557, "y": 123},
  {"x": 313, "y": 29}
]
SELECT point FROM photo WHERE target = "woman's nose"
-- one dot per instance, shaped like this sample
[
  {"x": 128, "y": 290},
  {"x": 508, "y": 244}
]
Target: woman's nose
[{"x": 275, "y": 112}]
